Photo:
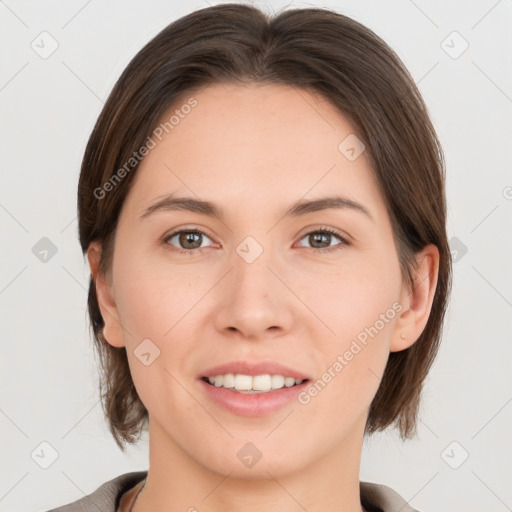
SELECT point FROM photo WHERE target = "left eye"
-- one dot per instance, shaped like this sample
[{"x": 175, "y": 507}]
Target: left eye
[{"x": 322, "y": 236}]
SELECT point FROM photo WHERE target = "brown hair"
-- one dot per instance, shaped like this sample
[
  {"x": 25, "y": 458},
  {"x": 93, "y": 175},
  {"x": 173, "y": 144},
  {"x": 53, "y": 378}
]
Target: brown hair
[{"x": 321, "y": 51}]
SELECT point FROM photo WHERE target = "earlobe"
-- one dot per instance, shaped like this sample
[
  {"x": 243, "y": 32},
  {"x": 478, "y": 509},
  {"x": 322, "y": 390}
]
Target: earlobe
[
  {"x": 413, "y": 319},
  {"x": 112, "y": 330}
]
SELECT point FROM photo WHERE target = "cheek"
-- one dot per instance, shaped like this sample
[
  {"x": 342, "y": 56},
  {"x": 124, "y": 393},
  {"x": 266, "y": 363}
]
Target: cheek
[
  {"x": 151, "y": 298},
  {"x": 357, "y": 308},
  {"x": 156, "y": 305},
  {"x": 351, "y": 296}
]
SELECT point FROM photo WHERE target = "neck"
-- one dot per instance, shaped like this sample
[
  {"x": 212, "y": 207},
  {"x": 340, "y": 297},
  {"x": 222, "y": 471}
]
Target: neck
[{"x": 177, "y": 481}]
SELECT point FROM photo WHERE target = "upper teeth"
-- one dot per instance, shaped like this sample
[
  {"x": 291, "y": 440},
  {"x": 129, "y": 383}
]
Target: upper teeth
[{"x": 249, "y": 383}]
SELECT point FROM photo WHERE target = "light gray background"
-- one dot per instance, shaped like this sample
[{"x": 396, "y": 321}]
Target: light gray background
[{"x": 48, "y": 377}]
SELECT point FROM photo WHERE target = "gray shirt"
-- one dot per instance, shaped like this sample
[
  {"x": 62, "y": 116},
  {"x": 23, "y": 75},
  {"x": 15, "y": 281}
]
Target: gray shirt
[{"x": 106, "y": 498}]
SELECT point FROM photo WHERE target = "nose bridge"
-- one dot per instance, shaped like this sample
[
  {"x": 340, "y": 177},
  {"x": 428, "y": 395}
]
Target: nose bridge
[
  {"x": 255, "y": 298},
  {"x": 254, "y": 282},
  {"x": 251, "y": 267}
]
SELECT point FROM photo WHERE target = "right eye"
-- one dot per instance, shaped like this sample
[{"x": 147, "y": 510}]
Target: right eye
[{"x": 190, "y": 239}]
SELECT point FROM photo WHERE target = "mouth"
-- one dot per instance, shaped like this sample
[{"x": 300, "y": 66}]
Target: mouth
[
  {"x": 252, "y": 389},
  {"x": 252, "y": 385}
]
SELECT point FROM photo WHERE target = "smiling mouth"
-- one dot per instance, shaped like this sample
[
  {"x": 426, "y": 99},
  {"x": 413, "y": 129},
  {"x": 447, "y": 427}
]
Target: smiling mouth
[{"x": 248, "y": 385}]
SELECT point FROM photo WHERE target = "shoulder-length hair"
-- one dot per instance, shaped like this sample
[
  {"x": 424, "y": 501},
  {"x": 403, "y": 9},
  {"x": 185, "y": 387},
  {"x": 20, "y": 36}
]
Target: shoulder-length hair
[{"x": 318, "y": 50}]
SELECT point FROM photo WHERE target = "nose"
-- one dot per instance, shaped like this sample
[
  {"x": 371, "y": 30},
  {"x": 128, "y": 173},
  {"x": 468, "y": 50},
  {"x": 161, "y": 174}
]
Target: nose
[{"x": 254, "y": 302}]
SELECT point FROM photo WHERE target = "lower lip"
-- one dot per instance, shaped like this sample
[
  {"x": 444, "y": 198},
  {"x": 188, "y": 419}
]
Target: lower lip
[{"x": 252, "y": 405}]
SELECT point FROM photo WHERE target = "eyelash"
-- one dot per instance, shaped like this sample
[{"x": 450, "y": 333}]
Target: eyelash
[{"x": 190, "y": 252}]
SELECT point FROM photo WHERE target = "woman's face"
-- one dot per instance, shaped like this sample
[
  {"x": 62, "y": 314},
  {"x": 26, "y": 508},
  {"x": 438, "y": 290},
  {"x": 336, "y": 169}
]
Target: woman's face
[{"x": 260, "y": 286}]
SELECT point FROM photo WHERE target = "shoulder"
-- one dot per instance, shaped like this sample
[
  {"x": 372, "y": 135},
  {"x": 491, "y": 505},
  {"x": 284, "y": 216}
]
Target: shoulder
[
  {"x": 106, "y": 497},
  {"x": 381, "y": 498},
  {"x": 374, "y": 497}
]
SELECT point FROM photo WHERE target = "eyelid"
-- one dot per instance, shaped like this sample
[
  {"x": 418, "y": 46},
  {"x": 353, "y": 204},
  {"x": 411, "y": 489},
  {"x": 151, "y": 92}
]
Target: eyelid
[
  {"x": 313, "y": 229},
  {"x": 192, "y": 227}
]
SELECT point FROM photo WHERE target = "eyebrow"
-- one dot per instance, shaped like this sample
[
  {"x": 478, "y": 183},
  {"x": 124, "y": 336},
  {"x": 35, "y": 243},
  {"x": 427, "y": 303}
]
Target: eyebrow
[{"x": 299, "y": 208}]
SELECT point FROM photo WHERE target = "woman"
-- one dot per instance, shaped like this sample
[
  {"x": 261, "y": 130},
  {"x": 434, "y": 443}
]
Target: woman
[{"x": 262, "y": 207}]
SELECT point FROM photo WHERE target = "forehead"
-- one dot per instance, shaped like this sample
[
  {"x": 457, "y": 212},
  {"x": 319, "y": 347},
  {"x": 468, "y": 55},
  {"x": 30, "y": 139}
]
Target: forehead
[
  {"x": 279, "y": 116},
  {"x": 239, "y": 139}
]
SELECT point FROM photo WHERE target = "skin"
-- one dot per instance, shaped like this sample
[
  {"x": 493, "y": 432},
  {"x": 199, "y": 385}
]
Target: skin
[{"x": 254, "y": 150}]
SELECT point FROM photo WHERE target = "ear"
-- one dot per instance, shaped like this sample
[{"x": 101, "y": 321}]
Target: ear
[
  {"x": 417, "y": 302},
  {"x": 112, "y": 330}
]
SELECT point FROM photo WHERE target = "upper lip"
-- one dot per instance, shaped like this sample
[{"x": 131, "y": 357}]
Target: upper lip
[{"x": 253, "y": 369}]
